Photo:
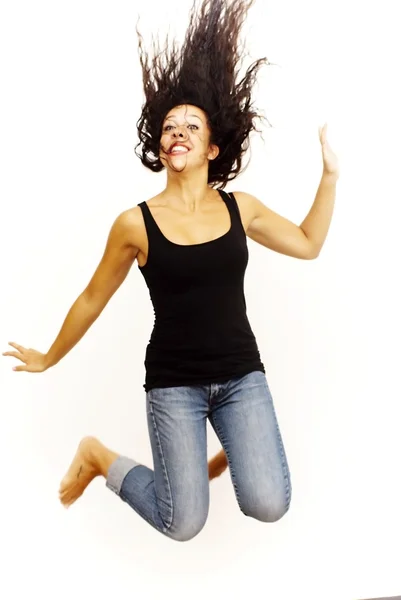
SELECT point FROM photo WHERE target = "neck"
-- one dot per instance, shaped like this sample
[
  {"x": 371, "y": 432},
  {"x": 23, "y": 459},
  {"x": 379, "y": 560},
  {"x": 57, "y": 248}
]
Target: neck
[{"x": 187, "y": 191}]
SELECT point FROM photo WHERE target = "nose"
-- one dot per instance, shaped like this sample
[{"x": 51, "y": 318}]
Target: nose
[{"x": 179, "y": 132}]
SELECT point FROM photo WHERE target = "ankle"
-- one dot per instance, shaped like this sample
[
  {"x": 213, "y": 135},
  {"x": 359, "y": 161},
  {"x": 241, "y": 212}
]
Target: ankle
[{"x": 100, "y": 457}]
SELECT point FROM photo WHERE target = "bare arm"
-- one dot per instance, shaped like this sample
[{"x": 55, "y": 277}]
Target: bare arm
[
  {"x": 300, "y": 241},
  {"x": 317, "y": 222},
  {"x": 112, "y": 270},
  {"x": 281, "y": 235},
  {"x": 118, "y": 257},
  {"x": 276, "y": 232}
]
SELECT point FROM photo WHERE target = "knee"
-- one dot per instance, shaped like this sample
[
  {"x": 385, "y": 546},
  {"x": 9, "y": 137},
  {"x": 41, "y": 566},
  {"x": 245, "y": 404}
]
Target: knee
[
  {"x": 267, "y": 510},
  {"x": 185, "y": 529}
]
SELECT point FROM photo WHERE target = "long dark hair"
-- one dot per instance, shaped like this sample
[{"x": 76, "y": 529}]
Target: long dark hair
[{"x": 204, "y": 73}]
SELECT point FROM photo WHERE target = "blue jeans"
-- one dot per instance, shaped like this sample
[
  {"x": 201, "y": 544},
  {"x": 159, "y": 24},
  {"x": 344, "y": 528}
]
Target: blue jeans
[{"x": 174, "y": 498}]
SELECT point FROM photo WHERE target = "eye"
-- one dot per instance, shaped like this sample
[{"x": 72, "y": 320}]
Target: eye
[{"x": 191, "y": 126}]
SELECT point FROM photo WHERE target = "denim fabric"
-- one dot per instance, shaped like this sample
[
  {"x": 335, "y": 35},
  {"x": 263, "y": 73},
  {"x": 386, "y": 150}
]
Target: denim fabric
[{"x": 174, "y": 497}]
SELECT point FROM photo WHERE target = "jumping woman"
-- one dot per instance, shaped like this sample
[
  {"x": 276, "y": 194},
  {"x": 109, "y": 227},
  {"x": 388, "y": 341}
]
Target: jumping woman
[{"x": 190, "y": 243}]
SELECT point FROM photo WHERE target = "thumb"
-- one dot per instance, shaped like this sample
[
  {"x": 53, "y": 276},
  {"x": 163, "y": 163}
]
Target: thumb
[{"x": 20, "y": 368}]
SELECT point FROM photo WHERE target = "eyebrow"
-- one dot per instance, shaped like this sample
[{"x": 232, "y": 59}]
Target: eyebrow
[{"x": 174, "y": 116}]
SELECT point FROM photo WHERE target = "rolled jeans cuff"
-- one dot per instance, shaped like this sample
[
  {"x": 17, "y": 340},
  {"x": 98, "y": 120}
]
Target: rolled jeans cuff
[{"x": 118, "y": 471}]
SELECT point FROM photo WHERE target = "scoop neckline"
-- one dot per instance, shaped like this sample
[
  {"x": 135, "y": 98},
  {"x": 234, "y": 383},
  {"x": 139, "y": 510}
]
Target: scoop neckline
[{"x": 199, "y": 243}]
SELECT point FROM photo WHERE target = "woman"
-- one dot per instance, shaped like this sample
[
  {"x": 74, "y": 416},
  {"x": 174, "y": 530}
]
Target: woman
[{"x": 189, "y": 241}]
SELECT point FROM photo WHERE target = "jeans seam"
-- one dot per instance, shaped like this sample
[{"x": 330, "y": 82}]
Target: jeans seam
[
  {"x": 284, "y": 463},
  {"x": 142, "y": 514},
  {"x": 163, "y": 464},
  {"x": 227, "y": 452}
]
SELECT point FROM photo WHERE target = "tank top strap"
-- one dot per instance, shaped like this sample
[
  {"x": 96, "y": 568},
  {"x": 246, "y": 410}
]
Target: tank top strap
[
  {"x": 151, "y": 226},
  {"x": 232, "y": 206}
]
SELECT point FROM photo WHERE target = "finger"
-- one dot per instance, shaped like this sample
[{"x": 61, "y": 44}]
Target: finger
[
  {"x": 20, "y": 368},
  {"x": 14, "y": 355},
  {"x": 17, "y": 346}
]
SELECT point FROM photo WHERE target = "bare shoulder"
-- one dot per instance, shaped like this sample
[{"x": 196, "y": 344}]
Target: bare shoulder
[
  {"x": 245, "y": 199},
  {"x": 247, "y": 205},
  {"x": 128, "y": 226}
]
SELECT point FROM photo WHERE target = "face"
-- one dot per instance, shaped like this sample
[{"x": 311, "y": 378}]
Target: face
[{"x": 185, "y": 139}]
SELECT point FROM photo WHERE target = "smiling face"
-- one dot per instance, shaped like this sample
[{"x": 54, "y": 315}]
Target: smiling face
[{"x": 185, "y": 139}]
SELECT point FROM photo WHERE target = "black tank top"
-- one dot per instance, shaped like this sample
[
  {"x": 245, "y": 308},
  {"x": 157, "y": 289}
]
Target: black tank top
[{"x": 201, "y": 332}]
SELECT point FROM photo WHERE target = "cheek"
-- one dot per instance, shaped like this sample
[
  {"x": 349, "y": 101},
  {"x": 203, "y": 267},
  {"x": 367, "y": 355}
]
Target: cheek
[
  {"x": 201, "y": 140},
  {"x": 164, "y": 142}
]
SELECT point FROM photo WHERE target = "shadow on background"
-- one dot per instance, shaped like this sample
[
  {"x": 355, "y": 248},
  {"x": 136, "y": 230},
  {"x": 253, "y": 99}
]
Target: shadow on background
[{"x": 386, "y": 598}]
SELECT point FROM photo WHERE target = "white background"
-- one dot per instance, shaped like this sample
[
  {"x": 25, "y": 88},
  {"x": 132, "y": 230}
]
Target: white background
[{"x": 328, "y": 330}]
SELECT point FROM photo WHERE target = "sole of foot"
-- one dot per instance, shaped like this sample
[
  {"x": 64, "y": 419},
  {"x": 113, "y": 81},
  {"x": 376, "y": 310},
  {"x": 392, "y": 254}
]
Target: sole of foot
[{"x": 83, "y": 469}]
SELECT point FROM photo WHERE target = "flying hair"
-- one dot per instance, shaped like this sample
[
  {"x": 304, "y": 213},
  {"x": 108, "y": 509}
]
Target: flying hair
[{"x": 203, "y": 72}]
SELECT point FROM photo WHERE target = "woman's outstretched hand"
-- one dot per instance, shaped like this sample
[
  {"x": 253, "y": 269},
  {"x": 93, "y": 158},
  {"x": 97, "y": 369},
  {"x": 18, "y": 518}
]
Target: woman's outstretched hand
[{"x": 33, "y": 361}]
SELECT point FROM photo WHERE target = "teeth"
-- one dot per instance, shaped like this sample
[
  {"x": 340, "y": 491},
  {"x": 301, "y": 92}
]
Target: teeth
[{"x": 179, "y": 149}]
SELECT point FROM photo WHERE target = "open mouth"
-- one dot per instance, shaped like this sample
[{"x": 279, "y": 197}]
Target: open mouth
[{"x": 179, "y": 149}]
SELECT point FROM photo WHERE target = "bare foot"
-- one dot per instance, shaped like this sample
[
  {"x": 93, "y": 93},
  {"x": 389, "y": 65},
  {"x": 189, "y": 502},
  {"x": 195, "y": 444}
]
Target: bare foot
[
  {"x": 83, "y": 469},
  {"x": 217, "y": 465}
]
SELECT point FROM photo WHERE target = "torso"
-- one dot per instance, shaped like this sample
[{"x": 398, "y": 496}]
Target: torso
[{"x": 186, "y": 229}]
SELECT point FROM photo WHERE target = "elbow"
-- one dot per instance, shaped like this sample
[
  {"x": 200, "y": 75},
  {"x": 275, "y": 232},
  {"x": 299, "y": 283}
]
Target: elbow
[
  {"x": 313, "y": 252},
  {"x": 310, "y": 248}
]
